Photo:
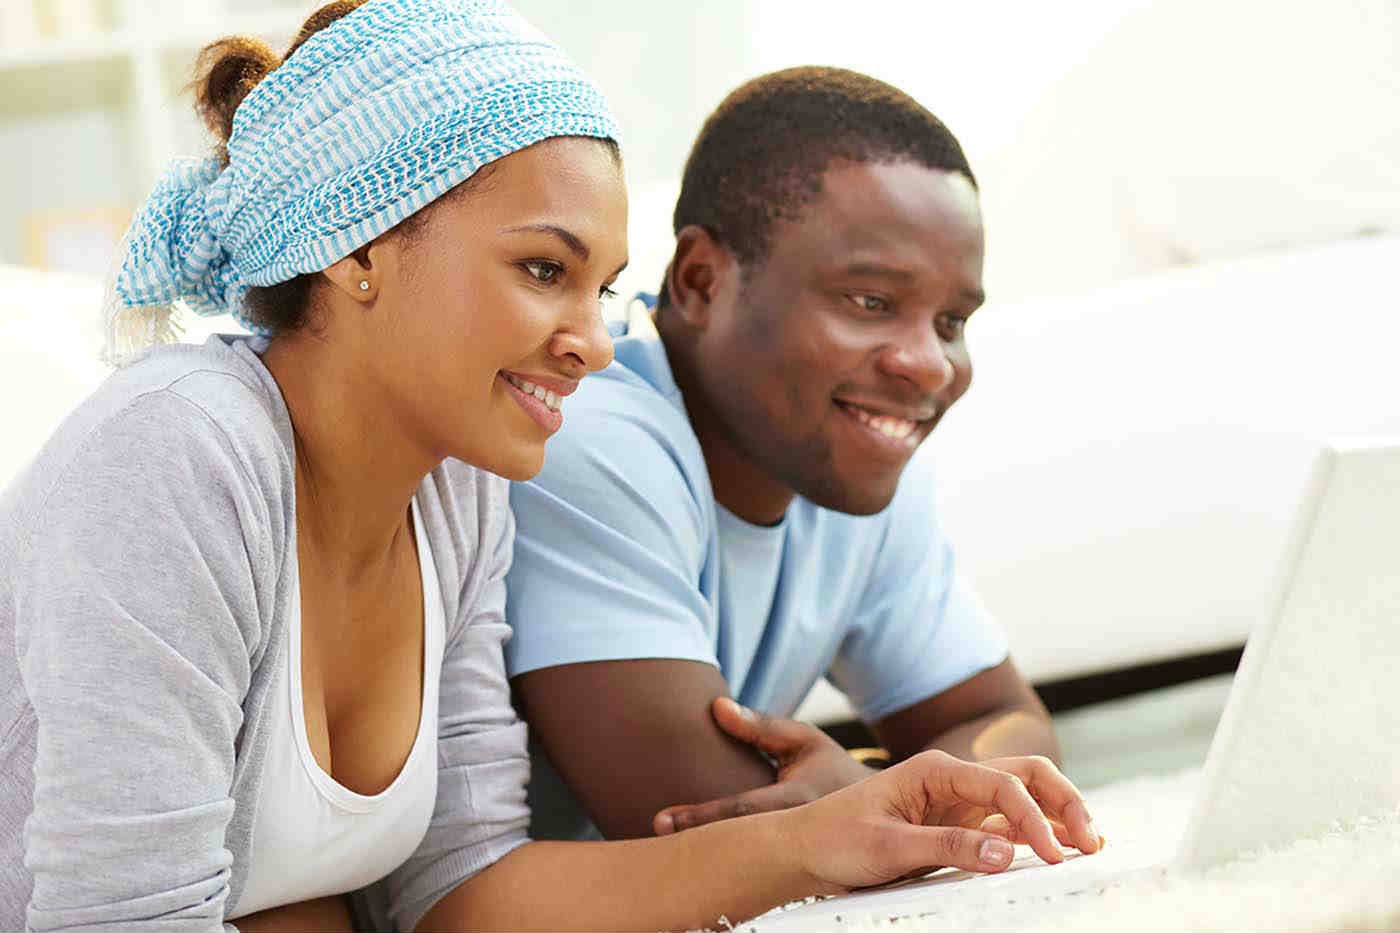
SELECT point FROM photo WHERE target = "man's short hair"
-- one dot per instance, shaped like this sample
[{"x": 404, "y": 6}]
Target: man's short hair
[{"x": 761, "y": 155}]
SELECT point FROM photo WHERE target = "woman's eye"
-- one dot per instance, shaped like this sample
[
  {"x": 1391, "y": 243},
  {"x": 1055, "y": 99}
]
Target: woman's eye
[
  {"x": 546, "y": 273},
  {"x": 605, "y": 293},
  {"x": 870, "y": 302}
]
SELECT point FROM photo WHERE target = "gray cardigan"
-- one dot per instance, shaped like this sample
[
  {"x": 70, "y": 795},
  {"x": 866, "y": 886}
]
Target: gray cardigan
[{"x": 147, "y": 567}]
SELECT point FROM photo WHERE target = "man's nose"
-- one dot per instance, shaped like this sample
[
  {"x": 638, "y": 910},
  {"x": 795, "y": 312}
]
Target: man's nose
[{"x": 921, "y": 359}]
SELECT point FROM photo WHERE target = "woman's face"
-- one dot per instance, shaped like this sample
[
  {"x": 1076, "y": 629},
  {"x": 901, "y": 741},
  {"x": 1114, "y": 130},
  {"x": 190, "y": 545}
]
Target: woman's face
[{"x": 488, "y": 315}]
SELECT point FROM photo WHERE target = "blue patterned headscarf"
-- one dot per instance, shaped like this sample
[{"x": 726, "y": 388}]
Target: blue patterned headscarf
[{"x": 373, "y": 117}]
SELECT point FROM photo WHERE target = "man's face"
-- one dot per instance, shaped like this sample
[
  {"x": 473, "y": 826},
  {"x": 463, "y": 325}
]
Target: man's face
[{"x": 834, "y": 357}]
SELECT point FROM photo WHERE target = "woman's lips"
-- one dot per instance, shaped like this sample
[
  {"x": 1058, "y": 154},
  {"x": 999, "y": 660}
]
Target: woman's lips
[{"x": 539, "y": 402}]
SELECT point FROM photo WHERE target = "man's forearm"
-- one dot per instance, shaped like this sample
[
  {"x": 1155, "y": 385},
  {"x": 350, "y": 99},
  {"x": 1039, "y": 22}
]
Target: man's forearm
[{"x": 1000, "y": 734}]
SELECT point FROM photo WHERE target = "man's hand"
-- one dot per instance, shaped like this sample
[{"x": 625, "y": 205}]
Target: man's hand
[{"x": 810, "y": 765}]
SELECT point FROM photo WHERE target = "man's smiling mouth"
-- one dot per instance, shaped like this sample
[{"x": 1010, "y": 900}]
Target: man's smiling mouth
[{"x": 889, "y": 426}]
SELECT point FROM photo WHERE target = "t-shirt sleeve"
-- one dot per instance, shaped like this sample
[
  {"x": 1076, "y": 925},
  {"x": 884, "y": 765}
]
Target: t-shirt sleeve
[
  {"x": 921, "y": 628},
  {"x": 137, "y": 612},
  {"x": 612, "y": 542},
  {"x": 480, "y": 814}
]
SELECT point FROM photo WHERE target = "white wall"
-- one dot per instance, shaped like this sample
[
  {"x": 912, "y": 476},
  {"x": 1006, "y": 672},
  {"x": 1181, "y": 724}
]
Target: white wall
[
  {"x": 1117, "y": 137},
  {"x": 1111, "y": 137}
]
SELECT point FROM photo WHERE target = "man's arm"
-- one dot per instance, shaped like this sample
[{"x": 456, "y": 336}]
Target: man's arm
[
  {"x": 993, "y": 714},
  {"x": 631, "y": 737}
]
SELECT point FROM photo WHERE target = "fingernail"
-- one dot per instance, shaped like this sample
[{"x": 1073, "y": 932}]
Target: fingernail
[
  {"x": 745, "y": 711},
  {"x": 665, "y": 823},
  {"x": 996, "y": 853}
]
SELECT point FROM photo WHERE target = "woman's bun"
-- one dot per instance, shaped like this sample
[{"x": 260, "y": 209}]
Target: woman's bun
[
  {"x": 224, "y": 74},
  {"x": 228, "y": 69}
]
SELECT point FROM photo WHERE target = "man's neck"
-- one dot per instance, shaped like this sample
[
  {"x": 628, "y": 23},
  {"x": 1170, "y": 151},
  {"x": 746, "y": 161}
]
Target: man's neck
[{"x": 737, "y": 482}]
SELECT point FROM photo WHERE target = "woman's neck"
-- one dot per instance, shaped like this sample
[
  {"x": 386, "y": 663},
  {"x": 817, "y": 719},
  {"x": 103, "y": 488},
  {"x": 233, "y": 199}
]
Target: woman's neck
[{"x": 356, "y": 467}]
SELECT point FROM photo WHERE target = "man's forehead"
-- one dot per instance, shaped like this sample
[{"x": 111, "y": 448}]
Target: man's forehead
[{"x": 867, "y": 211}]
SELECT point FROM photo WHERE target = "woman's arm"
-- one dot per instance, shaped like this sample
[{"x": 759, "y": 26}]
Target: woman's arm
[
  {"x": 871, "y": 832},
  {"x": 135, "y": 615}
]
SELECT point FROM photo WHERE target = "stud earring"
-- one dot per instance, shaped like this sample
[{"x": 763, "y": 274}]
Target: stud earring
[{"x": 364, "y": 285}]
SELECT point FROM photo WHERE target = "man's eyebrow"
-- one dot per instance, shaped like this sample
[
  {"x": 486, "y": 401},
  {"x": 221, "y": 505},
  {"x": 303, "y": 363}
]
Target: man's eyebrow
[
  {"x": 879, "y": 270},
  {"x": 577, "y": 246}
]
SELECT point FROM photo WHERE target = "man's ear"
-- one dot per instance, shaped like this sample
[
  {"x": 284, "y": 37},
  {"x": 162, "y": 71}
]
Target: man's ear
[
  {"x": 358, "y": 275},
  {"x": 698, "y": 274}
]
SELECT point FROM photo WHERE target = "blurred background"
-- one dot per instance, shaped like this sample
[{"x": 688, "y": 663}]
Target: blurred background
[{"x": 1193, "y": 216}]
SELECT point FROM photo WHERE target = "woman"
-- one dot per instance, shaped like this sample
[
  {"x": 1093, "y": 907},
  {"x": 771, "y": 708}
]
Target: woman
[{"x": 256, "y": 587}]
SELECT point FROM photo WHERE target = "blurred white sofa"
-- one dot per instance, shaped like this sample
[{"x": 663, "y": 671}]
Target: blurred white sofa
[
  {"x": 1121, "y": 477},
  {"x": 49, "y": 342}
]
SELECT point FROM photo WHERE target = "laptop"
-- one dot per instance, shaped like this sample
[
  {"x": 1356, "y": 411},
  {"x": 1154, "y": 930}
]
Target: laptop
[{"x": 1306, "y": 740}]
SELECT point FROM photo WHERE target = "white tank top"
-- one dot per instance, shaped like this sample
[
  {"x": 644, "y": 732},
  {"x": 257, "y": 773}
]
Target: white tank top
[{"x": 313, "y": 836}]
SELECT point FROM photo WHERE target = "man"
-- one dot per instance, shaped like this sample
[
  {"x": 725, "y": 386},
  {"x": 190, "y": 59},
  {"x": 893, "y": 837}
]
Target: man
[{"x": 721, "y": 514}]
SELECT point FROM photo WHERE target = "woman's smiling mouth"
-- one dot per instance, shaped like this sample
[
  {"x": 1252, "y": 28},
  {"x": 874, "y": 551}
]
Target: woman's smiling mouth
[{"x": 540, "y": 398}]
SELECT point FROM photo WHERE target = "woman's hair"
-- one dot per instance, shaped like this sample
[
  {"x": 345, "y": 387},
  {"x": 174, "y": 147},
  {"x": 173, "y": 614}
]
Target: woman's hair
[{"x": 225, "y": 72}]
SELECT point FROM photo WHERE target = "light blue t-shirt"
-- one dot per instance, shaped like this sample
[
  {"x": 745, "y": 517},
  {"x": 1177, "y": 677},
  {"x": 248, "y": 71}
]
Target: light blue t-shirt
[{"x": 622, "y": 552}]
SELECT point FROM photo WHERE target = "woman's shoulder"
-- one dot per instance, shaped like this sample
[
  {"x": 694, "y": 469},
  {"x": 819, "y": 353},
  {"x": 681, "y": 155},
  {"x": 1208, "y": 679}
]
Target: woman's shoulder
[
  {"x": 223, "y": 380},
  {"x": 192, "y": 418}
]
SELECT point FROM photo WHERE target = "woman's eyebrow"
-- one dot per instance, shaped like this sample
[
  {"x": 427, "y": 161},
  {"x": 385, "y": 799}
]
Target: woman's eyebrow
[{"x": 576, "y": 245}]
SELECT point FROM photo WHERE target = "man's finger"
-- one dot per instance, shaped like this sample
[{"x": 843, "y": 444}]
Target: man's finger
[
  {"x": 780, "y": 738},
  {"x": 759, "y": 800}
]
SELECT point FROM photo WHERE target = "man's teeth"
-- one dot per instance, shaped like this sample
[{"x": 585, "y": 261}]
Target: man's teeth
[
  {"x": 550, "y": 399},
  {"x": 888, "y": 425}
]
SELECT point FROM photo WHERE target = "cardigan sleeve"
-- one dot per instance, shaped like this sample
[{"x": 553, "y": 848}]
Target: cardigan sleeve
[{"x": 136, "y": 612}]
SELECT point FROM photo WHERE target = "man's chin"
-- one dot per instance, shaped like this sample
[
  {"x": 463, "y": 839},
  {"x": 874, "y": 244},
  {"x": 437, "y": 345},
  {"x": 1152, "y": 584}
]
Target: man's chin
[{"x": 864, "y": 496}]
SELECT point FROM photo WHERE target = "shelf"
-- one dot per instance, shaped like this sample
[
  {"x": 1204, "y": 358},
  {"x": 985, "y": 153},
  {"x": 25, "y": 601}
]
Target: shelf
[
  {"x": 277, "y": 25},
  {"x": 92, "y": 120}
]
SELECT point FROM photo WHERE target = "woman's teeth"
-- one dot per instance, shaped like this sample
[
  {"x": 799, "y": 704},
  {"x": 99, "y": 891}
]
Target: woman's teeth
[
  {"x": 888, "y": 425},
  {"x": 551, "y": 400}
]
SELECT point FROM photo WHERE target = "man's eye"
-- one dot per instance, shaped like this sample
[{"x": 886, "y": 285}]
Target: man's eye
[
  {"x": 871, "y": 302},
  {"x": 543, "y": 271}
]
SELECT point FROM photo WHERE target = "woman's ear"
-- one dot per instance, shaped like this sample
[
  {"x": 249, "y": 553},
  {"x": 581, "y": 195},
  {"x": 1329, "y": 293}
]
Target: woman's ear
[
  {"x": 696, "y": 275},
  {"x": 357, "y": 275}
]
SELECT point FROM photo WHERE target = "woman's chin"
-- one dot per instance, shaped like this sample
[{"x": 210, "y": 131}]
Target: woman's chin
[{"x": 518, "y": 466}]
